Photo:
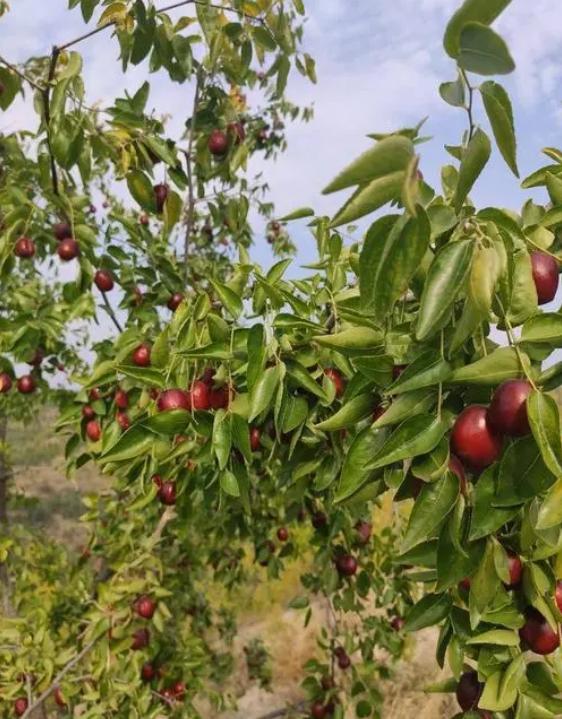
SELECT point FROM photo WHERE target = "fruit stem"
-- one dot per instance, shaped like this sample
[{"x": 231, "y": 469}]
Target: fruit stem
[
  {"x": 546, "y": 252},
  {"x": 515, "y": 345}
]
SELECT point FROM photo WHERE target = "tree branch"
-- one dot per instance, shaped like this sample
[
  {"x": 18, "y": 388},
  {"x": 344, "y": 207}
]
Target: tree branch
[
  {"x": 21, "y": 74},
  {"x": 470, "y": 89},
  {"x": 47, "y": 110},
  {"x": 191, "y": 190},
  {"x": 59, "y": 677},
  {"x": 111, "y": 313},
  {"x": 167, "y": 8}
]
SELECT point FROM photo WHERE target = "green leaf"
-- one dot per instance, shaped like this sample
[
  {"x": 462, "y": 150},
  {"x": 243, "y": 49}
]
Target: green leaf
[
  {"x": 352, "y": 340},
  {"x": 141, "y": 190},
  {"x": 484, "y": 275},
  {"x": 473, "y": 162},
  {"x": 369, "y": 198},
  {"x": 554, "y": 187},
  {"x": 385, "y": 158},
  {"x": 485, "y": 582},
  {"x": 503, "y": 363},
  {"x": 294, "y": 412},
  {"x": 229, "y": 483},
  {"x": 12, "y": 85},
  {"x": 256, "y": 354},
  {"x": 427, "y": 370},
  {"x": 349, "y": 414},
  {"x": 222, "y": 437},
  {"x": 453, "y": 92},
  {"x": 264, "y": 38},
  {"x": 353, "y": 474},
  {"x": 543, "y": 328},
  {"x": 483, "y": 51},
  {"x": 487, "y": 519},
  {"x": 500, "y": 113},
  {"x": 523, "y": 301},
  {"x": 417, "y": 435},
  {"x": 550, "y": 512},
  {"x": 501, "y": 689},
  {"x": 167, "y": 423},
  {"x": 432, "y": 506},
  {"x": 172, "y": 210},
  {"x": 150, "y": 376},
  {"x": 262, "y": 395},
  {"x": 430, "y": 610},
  {"x": 134, "y": 442},
  {"x": 228, "y": 298},
  {"x": 432, "y": 466},
  {"x": 544, "y": 418},
  {"x": 522, "y": 474},
  {"x": 301, "y": 376},
  {"x": 241, "y": 435},
  {"x": 406, "y": 405},
  {"x": 481, "y": 11},
  {"x": 446, "y": 277},
  {"x": 298, "y": 214},
  {"x": 391, "y": 255},
  {"x": 377, "y": 368},
  {"x": 500, "y": 637}
]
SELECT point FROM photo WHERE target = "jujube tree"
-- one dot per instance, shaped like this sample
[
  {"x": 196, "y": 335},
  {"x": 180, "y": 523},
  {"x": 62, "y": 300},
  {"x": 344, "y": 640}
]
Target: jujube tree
[{"x": 410, "y": 362}]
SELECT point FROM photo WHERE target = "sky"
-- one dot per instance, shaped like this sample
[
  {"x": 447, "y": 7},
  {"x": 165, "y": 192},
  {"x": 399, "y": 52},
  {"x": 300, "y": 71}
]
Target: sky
[{"x": 379, "y": 65}]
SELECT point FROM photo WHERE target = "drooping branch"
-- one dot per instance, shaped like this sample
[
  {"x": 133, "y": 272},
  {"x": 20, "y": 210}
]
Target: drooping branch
[
  {"x": 59, "y": 677},
  {"x": 47, "y": 114},
  {"x": 21, "y": 74},
  {"x": 167, "y": 8},
  {"x": 191, "y": 189}
]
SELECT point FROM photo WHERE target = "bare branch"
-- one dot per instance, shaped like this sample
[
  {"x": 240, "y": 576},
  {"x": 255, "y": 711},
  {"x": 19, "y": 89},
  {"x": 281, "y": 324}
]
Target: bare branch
[
  {"x": 191, "y": 190},
  {"x": 59, "y": 677},
  {"x": 47, "y": 111},
  {"x": 21, "y": 74},
  {"x": 168, "y": 8},
  {"x": 111, "y": 313}
]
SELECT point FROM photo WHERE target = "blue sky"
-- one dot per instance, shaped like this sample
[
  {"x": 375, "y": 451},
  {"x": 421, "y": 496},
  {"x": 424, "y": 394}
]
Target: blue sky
[{"x": 379, "y": 64}]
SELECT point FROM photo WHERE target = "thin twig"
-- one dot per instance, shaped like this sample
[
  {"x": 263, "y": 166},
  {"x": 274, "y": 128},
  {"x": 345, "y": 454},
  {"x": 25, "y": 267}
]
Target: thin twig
[
  {"x": 470, "y": 89},
  {"x": 284, "y": 712},
  {"x": 47, "y": 111},
  {"x": 166, "y": 517},
  {"x": 59, "y": 677},
  {"x": 107, "y": 25},
  {"x": 21, "y": 74},
  {"x": 111, "y": 313},
  {"x": 191, "y": 190}
]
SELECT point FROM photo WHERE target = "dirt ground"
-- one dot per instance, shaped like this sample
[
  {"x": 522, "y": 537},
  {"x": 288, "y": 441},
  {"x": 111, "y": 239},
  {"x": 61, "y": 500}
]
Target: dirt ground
[{"x": 291, "y": 646}]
